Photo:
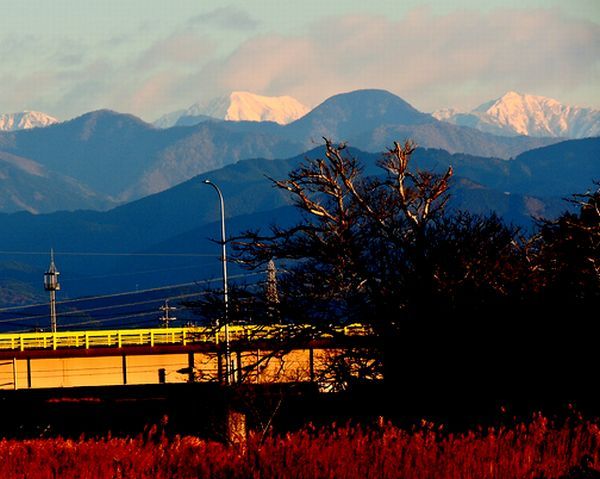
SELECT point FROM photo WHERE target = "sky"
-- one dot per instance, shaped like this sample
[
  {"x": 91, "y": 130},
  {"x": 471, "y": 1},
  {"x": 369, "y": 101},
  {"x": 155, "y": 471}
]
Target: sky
[{"x": 151, "y": 57}]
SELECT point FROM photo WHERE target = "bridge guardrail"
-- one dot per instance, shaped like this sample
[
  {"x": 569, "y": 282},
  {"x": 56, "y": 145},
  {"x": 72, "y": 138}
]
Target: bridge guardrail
[{"x": 164, "y": 336}]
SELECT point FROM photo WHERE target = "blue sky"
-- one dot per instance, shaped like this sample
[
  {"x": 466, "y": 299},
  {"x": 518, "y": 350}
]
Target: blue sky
[{"x": 149, "y": 57}]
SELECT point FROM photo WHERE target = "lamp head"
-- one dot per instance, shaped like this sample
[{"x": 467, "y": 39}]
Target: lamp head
[{"x": 206, "y": 182}]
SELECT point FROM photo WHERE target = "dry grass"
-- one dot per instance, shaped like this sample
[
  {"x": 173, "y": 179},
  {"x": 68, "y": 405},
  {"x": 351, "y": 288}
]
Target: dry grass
[{"x": 529, "y": 450}]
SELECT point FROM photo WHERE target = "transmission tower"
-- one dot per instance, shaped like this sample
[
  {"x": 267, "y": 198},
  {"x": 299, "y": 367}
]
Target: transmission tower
[
  {"x": 166, "y": 318},
  {"x": 52, "y": 285},
  {"x": 271, "y": 293}
]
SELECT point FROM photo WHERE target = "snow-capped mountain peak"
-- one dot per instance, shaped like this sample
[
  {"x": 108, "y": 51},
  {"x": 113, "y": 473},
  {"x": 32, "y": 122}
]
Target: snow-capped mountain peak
[
  {"x": 528, "y": 114},
  {"x": 250, "y": 107},
  {"x": 25, "y": 120},
  {"x": 240, "y": 106},
  {"x": 531, "y": 115}
]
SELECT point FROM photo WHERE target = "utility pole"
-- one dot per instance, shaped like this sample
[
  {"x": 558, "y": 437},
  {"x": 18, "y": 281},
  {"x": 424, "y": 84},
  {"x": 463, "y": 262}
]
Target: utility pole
[
  {"x": 52, "y": 285},
  {"x": 165, "y": 319}
]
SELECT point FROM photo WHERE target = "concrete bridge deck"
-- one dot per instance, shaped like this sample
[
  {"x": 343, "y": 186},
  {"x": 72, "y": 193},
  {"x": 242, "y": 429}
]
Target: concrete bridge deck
[{"x": 259, "y": 354}]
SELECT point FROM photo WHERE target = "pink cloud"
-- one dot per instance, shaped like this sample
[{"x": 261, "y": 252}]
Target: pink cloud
[
  {"x": 431, "y": 60},
  {"x": 184, "y": 49},
  {"x": 459, "y": 59}
]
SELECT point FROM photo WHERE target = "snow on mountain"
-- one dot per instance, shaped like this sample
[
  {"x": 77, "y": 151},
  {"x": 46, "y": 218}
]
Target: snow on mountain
[
  {"x": 238, "y": 106},
  {"x": 170, "y": 119},
  {"x": 520, "y": 114},
  {"x": 446, "y": 114},
  {"x": 25, "y": 120}
]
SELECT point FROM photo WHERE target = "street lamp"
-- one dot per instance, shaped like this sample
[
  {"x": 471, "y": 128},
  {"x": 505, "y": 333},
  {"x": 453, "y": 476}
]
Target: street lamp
[{"x": 225, "y": 293}]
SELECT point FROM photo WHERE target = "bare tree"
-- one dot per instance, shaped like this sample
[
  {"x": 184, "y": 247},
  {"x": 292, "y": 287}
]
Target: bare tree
[
  {"x": 443, "y": 292},
  {"x": 359, "y": 253}
]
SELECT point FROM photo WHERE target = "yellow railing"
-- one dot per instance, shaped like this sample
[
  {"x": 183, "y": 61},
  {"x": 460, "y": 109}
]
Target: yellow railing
[{"x": 164, "y": 336}]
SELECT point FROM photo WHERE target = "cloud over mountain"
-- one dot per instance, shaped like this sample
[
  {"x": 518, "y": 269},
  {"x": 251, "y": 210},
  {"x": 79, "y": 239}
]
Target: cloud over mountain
[
  {"x": 434, "y": 59},
  {"x": 422, "y": 56}
]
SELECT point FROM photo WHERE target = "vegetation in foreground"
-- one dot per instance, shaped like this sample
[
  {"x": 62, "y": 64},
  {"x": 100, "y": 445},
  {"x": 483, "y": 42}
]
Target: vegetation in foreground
[{"x": 537, "y": 449}]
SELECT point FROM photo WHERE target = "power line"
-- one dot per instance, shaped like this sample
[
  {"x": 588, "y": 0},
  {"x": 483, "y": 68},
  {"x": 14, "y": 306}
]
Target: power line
[
  {"x": 99, "y": 320},
  {"x": 113, "y": 295},
  {"x": 103, "y": 308},
  {"x": 133, "y": 273},
  {"x": 86, "y": 253},
  {"x": 116, "y": 318},
  {"x": 108, "y": 320},
  {"x": 80, "y": 312},
  {"x": 128, "y": 293}
]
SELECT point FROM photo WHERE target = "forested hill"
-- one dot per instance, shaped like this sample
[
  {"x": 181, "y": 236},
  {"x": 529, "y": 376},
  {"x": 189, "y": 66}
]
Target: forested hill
[{"x": 182, "y": 219}]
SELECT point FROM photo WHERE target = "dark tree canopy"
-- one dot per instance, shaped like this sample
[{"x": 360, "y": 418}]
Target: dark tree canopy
[
  {"x": 569, "y": 258},
  {"x": 381, "y": 250},
  {"x": 457, "y": 300}
]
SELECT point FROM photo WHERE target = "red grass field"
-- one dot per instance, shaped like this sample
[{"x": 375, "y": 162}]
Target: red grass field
[{"x": 533, "y": 450}]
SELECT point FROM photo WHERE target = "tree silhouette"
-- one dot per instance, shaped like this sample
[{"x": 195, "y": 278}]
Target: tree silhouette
[
  {"x": 381, "y": 251},
  {"x": 569, "y": 257},
  {"x": 457, "y": 302}
]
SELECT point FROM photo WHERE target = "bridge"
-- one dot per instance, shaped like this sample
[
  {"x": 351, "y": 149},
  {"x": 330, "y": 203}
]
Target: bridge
[{"x": 260, "y": 353}]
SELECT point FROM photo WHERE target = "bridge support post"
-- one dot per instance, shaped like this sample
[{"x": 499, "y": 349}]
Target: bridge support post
[
  {"x": 16, "y": 386},
  {"x": 311, "y": 364},
  {"x": 29, "y": 373},
  {"x": 124, "y": 368},
  {"x": 191, "y": 377}
]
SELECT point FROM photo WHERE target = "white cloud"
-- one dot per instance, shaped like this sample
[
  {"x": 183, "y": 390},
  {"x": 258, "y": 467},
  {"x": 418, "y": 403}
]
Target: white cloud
[
  {"x": 458, "y": 59},
  {"x": 431, "y": 60}
]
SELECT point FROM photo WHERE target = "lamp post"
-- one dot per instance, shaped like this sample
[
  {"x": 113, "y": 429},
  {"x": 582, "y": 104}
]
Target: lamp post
[{"x": 225, "y": 292}]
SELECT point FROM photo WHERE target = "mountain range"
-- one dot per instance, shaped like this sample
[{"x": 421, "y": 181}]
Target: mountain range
[
  {"x": 520, "y": 114},
  {"x": 117, "y": 193},
  {"x": 511, "y": 114},
  {"x": 120, "y": 158}
]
